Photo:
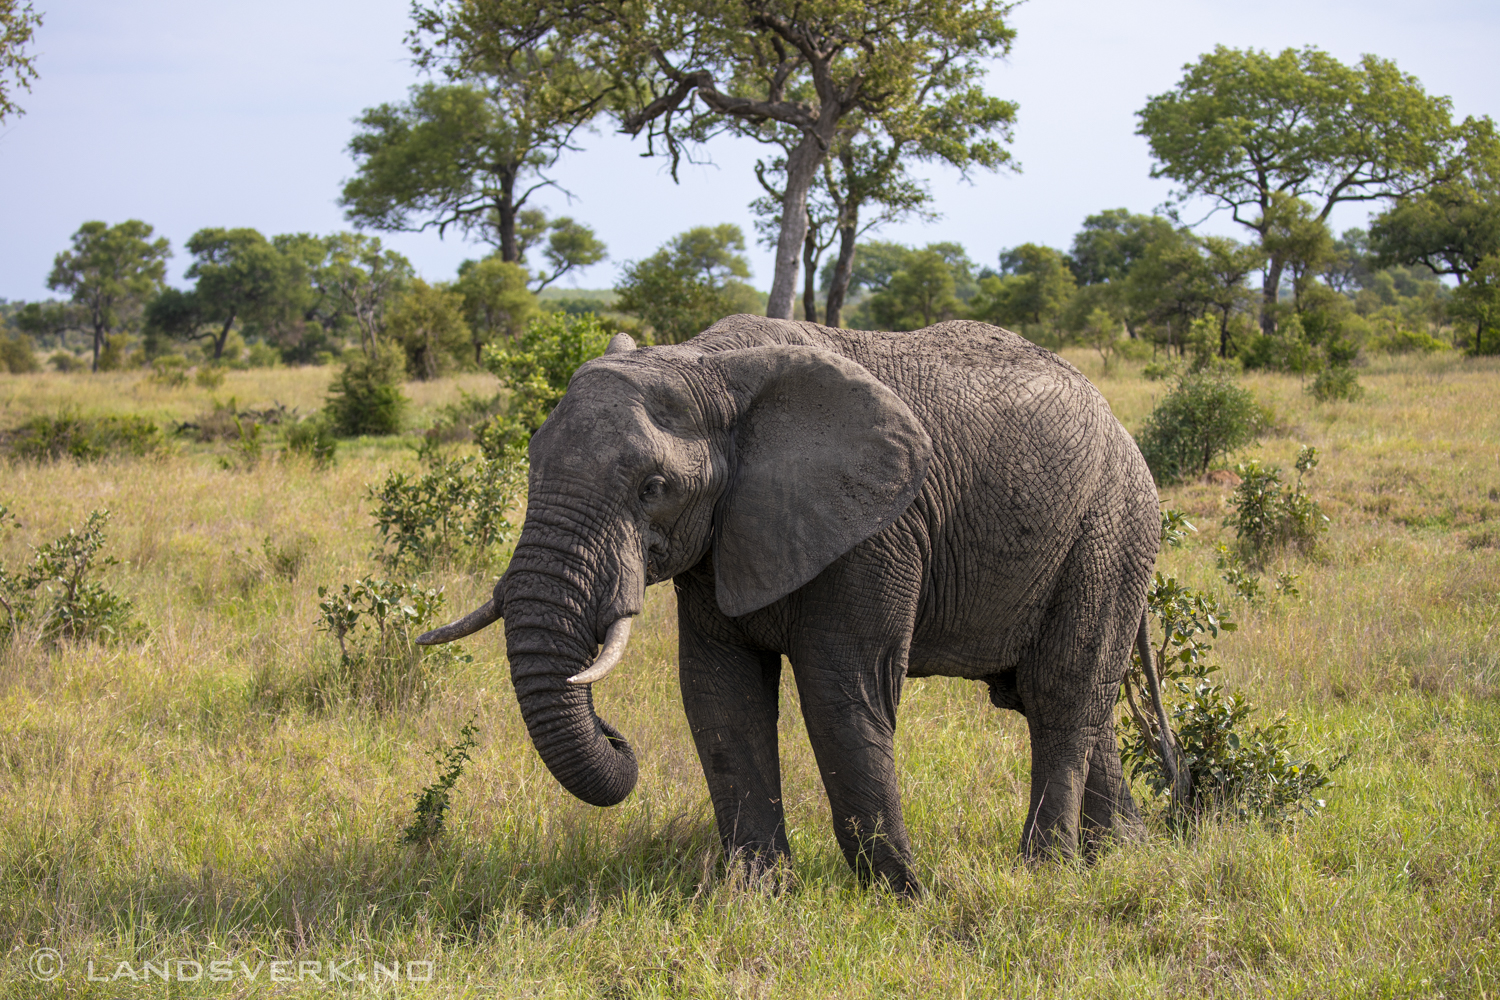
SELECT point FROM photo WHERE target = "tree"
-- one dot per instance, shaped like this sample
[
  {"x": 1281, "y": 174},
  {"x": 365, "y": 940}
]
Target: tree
[
  {"x": 110, "y": 272},
  {"x": 497, "y": 303},
  {"x": 1109, "y": 244},
  {"x": 467, "y": 154},
  {"x": 684, "y": 71},
  {"x": 1226, "y": 265},
  {"x": 428, "y": 322},
  {"x": 239, "y": 277},
  {"x": 570, "y": 245},
  {"x": 1477, "y": 300},
  {"x": 1246, "y": 128},
  {"x": 362, "y": 279},
  {"x": 1033, "y": 288},
  {"x": 1170, "y": 286},
  {"x": 18, "y": 24},
  {"x": 921, "y": 293},
  {"x": 1449, "y": 229},
  {"x": 690, "y": 283}
]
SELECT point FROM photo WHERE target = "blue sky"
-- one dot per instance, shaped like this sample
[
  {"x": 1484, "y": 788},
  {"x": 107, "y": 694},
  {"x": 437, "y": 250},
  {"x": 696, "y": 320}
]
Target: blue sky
[{"x": 232, "y": 113}]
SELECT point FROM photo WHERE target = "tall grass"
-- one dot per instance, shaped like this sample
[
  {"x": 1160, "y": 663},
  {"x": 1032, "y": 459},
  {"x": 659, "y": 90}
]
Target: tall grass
[{"x": 153, "y": 807}]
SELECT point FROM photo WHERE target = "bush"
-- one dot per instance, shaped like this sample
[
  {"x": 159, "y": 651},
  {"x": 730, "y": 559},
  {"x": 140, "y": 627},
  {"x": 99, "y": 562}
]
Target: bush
[
  {"x": 1335, "y": 382},
  {"x": 18, "y": 355},
  {"x": 1236, "y": 767},
  {"x": 47, "y": 439},
  {"x": 67, "y": 361},
  {"x": 379, "y": 665},
  {"x": 433, "y": 801},
  {"x": 454, "y": 514},
  {"x": 1204, "y": 416},
  {"x": 536, "y": 371},
  {"x": 56, "y": 597},
  {"x": 1270, "y": 516},
  {"x": 169, "y": 370},
  {"x": 365, "y": 396},
  {"x": 313, "y": 438}
]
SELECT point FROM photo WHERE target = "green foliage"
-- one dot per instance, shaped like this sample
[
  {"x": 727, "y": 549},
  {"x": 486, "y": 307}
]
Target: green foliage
[
  {"x": 689, "y": 284},
  {"x": 380, "y": 667},
  {"x": 1032, "y": 289},
  {"x": 365, "y": 396},
  {"x": 1204, "y": 416},
  {"x": 1175, "y": 527},
  {"x": 18, "y": 24},
  {"x": 1477, "y": 301},
  {"x": 1269, "y": 515},
  {"x": 67, "y": 361},
  {"x": 85, "y": 439},
  {"x": 1335, "y": 382},
  {"x": 537, "y": 371},
  {"x": 497, "y": 303},
  {"x": 57, "y": 596},
  {"x": 110, "y": 272},
  {"x": 433, "y": 801},
  {"x": 428, "y": 322},
  {"x": 1453, "y": 226},
  {"x": 315, "y": 438},
  {"x": 457, "y": 513},
  {"x": 18, "y": 353},
  {"x": 918, "y": 295},
  {"x": 1239, "y": 768}
]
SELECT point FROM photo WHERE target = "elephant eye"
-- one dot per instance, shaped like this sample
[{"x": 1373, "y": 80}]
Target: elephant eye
[{"x": 654, "y": 488}]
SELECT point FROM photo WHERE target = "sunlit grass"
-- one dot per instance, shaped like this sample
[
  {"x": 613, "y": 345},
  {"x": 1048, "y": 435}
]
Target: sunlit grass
[{"x": 152, "y": 806}]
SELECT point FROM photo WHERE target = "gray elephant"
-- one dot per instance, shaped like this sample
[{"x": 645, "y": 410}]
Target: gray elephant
[{"x": 876, "y": 506}]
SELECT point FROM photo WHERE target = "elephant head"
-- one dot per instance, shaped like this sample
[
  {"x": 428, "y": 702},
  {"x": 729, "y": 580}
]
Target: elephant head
[{"x": 774, "y": 460}]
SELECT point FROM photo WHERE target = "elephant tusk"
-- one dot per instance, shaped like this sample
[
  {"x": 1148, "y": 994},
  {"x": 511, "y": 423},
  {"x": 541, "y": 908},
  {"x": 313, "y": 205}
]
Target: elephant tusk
[
  {"x": 610, "y": 656},
  {"x": 486, "y": 614}
]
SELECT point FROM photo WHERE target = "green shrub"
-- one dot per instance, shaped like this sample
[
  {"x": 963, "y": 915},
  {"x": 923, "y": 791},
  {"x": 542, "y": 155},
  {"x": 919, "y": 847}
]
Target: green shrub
[
  {"x": 433, "y": 801},
  {"x": 379, "y": 665},
  {"x": 68, "y": 435},
  {"x": 536, "y": 371},
  {"x": 365, "y": 396},
  {"x": 209, "y": 377},
  {"x": 67, "y": 361},
  {"x": 454, "y": 514},
  {"x": 1236, "y": 767},
  {"x": 1204, "y": 416},
  {"x": 313, "y": 438},
  {"x": 169, "y": 370},
  {"x": 56, "y": 596},
  {"x": 18, "y": 354},
  {"x": 1335, "y": 382},
  {"x": 1269, "y": 515}
]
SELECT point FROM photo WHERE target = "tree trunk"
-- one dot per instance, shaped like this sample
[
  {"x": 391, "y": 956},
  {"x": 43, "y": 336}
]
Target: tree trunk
[
  {"x": 801, "y": 166},
  {"x": 839, "y": 287},
  {"x": 505, "y": 209},
  {"x": 222, "y": 338},
  {"x": 810, "y": 275},
  {"x": 98, "y": 343},
  {"x": 1270, "y": 296}
]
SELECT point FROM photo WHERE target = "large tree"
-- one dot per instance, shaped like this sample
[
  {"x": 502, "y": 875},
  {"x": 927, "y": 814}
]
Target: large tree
[
  {"x": 1246, "y": 129},
  {"x": 362, "y": 279},
  {"x": 110, "y": 272},
  {"x": 1452, "y": 227},
  {"x": 18, "y": 24},
  {"x": 684, "y": 70},
  {"x": 240, "y": 277}
]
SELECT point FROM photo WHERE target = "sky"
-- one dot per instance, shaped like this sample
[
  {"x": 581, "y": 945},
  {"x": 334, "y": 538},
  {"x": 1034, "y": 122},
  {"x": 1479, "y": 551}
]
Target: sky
[{"x": 188, "y": 114}]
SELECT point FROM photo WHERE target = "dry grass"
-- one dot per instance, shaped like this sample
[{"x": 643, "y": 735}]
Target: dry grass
[{"x": 153, "y": 807}]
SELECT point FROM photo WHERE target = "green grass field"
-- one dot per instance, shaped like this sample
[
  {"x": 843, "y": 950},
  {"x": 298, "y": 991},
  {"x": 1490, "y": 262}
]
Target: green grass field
[{"x": 156, "y": 807}]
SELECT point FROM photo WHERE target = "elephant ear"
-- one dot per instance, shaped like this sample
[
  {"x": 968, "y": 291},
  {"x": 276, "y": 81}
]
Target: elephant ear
[{"x": 824, "y": 456}]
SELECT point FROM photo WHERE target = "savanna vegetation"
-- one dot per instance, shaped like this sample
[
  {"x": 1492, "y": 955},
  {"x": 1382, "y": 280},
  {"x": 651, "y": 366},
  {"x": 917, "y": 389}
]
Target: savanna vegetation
[{"x": 233, "y": 772}]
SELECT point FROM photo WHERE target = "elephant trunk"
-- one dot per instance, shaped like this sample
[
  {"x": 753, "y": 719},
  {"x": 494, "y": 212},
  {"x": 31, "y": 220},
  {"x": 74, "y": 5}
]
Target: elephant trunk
[{"x": 548, "y": 644}]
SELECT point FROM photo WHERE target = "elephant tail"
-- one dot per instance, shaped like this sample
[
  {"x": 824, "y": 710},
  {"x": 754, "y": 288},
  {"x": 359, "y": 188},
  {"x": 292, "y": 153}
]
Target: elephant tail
[{"x": 1171, "y": 757}]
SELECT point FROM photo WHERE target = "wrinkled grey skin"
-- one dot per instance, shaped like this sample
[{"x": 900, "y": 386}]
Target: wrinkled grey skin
[{"x": 954, "y": 501}]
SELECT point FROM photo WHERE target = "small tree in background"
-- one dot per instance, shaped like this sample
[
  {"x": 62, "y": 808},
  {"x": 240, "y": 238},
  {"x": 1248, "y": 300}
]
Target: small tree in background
[
  {"x": 537, "y": 371},
  {"x": 18, "y": 24},
  {"x": 365, "y": 396},
  {"x": 692, "y": 282},
  {"x": 497, "y": 303},
  {"x": 428, "y": 322},
  {"x": 110, "y": 273}
]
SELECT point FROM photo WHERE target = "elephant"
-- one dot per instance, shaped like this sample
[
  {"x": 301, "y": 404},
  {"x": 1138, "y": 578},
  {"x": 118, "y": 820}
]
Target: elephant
[{"x": 952, "y": 501}]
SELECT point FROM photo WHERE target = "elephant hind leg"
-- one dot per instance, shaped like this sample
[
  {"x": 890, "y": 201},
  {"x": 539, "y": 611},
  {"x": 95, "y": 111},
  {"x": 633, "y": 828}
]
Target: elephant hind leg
[
  {"x": 1108, "y": 810},
  {"x": 1069, "y": 683}
]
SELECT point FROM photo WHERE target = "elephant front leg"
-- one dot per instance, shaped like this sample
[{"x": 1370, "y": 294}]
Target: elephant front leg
[
  {"x": 851, "y": 723},
  {"x": 730, "y": 695}
]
